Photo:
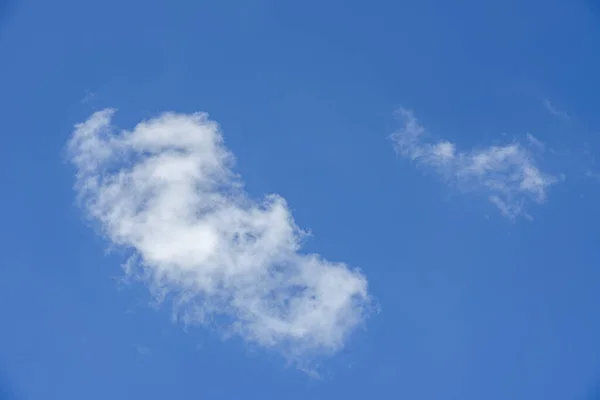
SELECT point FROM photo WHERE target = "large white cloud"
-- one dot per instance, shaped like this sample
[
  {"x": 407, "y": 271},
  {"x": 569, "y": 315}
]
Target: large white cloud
[
  {"x": 166, "y": 190},
  {"x": 508, "y": 174}
]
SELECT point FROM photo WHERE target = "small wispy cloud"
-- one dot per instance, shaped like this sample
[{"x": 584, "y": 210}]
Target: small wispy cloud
[
  {"x": 166, "y": 190},
  {"x": 535, "y": 143},
  {"x": 555, "y": 111},
  {"x": 593, "y": 175},
  {"x": 88, "y": 96},
  {"x": 508, "y": 174},
  {"x": 142, "y": 350}
]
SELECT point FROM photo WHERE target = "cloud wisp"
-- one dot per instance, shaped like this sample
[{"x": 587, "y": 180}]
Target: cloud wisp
[
  {"x": 166, "y": 191},
  {"x": 591, "y": 174},
  {"x": 507, "y": 174},
  {"x": 554, "y": 111}
]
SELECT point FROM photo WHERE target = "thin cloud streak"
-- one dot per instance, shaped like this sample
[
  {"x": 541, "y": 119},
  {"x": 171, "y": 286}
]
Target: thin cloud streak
[
  {"x": 507, "y": 174},
  {"x": 535, "y": 143},
  {"x": 554, "y": 111},
  {"x": 166, "y": 191}
]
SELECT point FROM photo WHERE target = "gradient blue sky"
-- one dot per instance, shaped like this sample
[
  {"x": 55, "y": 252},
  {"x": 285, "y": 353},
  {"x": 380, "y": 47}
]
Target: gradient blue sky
[{"x": 473, "y": 305}]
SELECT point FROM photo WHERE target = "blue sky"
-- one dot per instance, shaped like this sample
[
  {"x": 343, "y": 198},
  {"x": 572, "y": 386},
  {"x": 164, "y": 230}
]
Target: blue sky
[{"x": 387, "y": 199}]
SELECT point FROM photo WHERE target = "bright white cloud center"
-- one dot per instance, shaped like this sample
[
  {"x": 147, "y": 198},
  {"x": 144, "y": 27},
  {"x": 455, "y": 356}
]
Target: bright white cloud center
[
  {"x": 507, "y": 173},
  {"x": 166, "y": 190}
]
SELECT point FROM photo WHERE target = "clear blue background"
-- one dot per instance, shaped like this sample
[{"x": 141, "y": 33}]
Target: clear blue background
[{"x": 473, "y": 306}]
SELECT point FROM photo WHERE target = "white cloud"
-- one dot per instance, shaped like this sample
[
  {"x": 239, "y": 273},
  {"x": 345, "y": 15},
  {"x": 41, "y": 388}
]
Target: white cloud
[
  {"x": 508, "y": 174},
  {"x": 554, "y": 111},
  {"x": 166, "y": 190},
  {"x": 534, "y": 142}
]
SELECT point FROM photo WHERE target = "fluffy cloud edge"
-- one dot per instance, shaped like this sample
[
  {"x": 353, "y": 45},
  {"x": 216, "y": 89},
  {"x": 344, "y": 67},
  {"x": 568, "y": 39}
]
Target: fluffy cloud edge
[{"x": 166, "y": 191}]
